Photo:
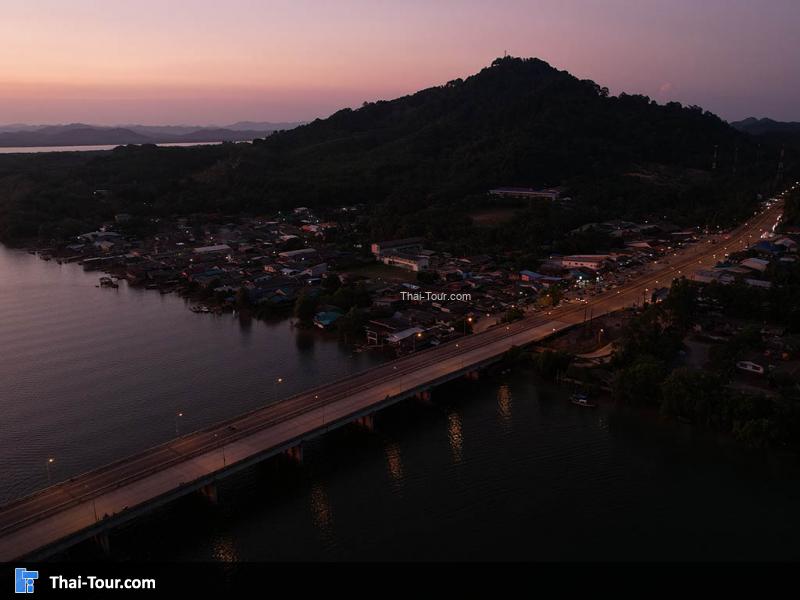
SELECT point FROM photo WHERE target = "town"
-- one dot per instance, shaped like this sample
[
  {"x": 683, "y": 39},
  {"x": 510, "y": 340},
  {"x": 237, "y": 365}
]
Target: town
[{"x": 397, "y": 295}]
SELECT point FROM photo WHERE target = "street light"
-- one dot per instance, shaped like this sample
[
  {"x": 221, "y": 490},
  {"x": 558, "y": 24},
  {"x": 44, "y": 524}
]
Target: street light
[
  {"x": 177, "y": 423},
  {"x": 47, "y": 464},
  {"x": 275, "y": 387}
]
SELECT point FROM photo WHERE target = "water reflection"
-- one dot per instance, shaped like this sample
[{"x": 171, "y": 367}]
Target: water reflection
[
  {"x": 504, "y": 404},
  {"x": 305, "y": 340},
  {"x": 455, "y": 436},
  {"x": 394, "y": 464},
  {"x": 321, "y": 509},
  {"x": 245, "y": 322},
  {"x": 224, "y": 550}
]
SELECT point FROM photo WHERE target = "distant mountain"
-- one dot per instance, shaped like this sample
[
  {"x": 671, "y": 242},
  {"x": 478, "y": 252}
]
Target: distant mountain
[
  {"x": 81, "y": 134},
  {"x": 264, "y": 125},
  {"x": 755, "y": 126}
]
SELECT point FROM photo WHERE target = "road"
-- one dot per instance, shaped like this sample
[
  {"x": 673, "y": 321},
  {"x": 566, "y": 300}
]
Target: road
[{"x": 67, "y": 512}]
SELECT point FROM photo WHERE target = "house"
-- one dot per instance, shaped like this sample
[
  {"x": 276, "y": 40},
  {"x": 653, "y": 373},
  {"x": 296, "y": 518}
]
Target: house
[
  {"x": 788, "y": 243},
  {"x": 529, "y": 276},
  {"x": 756, "y": 264},
  {"x": 325, "y": 319},
  {"x": 406, "y": 334},
  {"x": 767, "y": 248},
  {"x": 759, "y": 283}
]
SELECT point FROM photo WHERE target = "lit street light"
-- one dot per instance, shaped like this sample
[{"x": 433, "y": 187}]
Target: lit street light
[
  {"x": 178, "y": 416},
  {"x": 47, "y": 464}
]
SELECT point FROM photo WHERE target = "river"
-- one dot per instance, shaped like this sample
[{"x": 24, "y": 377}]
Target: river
[
  {"x": 89, "y": 148},
  {"x": 502, "y": 468}
]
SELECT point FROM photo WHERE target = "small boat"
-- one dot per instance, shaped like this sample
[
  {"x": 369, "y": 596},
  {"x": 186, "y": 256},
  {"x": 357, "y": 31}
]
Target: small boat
[
  {"x": 108, "y": 282},
  {"x": 582, "y": 400}
]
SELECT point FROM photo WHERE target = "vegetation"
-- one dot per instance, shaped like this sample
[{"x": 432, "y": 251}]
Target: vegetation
[
  {"x": 423, "y": 163},
  {"x": 647, "y": 372}
]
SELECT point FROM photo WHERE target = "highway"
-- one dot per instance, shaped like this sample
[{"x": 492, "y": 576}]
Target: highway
[{"x": 58, "y": 516}]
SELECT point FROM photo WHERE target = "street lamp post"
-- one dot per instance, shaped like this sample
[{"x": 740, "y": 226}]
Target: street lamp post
[
  {"x": 275, "y": 387},
  {"x": 47, "y": 464},
  {"x": 178, "y": 416}
]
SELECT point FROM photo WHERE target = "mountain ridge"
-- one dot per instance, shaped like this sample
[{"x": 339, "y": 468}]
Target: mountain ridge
[{"x": 82, "y": 134}]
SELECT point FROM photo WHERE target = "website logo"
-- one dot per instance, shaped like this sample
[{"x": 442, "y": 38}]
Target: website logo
[{"x": 23, "y": 580}]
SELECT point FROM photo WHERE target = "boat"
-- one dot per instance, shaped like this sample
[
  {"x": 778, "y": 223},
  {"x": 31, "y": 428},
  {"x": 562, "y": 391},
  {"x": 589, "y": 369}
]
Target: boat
[
  {"x": 108, "y": 282},
  {"x": 582, "y": 400}
]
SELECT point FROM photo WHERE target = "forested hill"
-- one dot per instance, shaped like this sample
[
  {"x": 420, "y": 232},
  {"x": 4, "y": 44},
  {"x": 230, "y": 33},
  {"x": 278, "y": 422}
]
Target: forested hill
[{"x": 517, "y": 122}]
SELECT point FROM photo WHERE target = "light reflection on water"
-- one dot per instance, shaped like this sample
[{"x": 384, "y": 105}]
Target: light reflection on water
[
  {"x": 562, "y": 483},
  {"x": 394, "y": 463},
  {"x": 455, "y": 435},
  {"x": 504, "y": 403},
  {"x": 320, "y": 509}
]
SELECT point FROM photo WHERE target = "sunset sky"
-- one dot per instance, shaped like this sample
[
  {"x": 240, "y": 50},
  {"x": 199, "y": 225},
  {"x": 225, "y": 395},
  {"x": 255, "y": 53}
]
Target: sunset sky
[{"x": 204, "y": 61}]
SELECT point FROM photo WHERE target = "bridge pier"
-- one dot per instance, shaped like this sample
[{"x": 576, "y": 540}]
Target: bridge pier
[
  {"x": 295, "y": 453},
  {"x": 424, "y": 396},
  {"x": 366, "y": 422},
  {"x": 103, "y": 541},
  {"x": 210, "y": 493}
]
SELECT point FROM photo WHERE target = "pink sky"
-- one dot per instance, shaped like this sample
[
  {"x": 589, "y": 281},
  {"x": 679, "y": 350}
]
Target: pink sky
[{"x": 201, "y": 62}]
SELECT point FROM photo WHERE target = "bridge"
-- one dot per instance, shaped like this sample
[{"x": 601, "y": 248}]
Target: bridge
[{"x": 90, "y": 505}]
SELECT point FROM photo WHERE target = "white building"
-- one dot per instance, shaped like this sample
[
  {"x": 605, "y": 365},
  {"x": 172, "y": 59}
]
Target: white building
[
  {"x": 595, "y": 262},
  {"x": 409, "y": 262}
]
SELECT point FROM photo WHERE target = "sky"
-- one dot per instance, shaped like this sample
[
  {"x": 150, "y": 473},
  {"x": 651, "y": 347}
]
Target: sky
[{"x": 217, "y": 62}]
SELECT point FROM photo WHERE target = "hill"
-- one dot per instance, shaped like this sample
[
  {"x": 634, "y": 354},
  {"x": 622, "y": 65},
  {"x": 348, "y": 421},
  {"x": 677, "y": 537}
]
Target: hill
[
  {"x": 755, "y": 126},
  {"x": 423, "y": 161}
]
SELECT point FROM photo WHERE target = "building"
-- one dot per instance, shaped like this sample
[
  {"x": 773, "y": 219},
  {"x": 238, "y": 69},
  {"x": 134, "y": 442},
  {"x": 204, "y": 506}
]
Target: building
[
  {"x": 595, "y": 262},
  {"x": 523, "y": 192},
  {"x": 301, "y": 255},
  {"x": 407, "y": 245},
  {"x": 219, "y": 248},
  {"x": 409, "y": 262},
  {"x": 756, "y": 264}
]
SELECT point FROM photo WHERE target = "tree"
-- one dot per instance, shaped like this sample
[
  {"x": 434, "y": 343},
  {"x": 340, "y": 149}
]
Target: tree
[
  {"x": 305, "y": 307},
  {"x": 351, "y": 325},
  {"x": 682, "y": 302},
  {"x": 550, "y": 362},
  {"x": 692, "y": 394},
  {"x": 640, "y": 382}
]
